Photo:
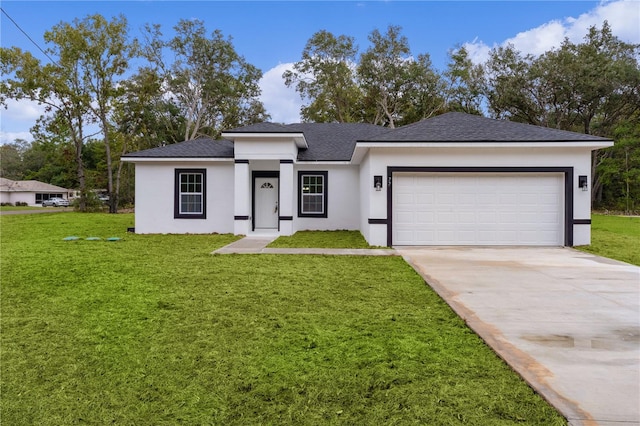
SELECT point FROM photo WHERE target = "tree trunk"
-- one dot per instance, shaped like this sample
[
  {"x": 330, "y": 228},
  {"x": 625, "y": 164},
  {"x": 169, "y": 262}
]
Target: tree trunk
[
  {"x": 78, "y": 143},
  {"x": 113, "y": 197}
]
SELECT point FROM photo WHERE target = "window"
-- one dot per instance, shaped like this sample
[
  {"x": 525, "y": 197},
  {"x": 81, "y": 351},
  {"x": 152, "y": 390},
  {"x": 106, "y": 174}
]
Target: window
[
  {"x": 312, "y": 198},
  {"x": 190, "y": 194}
]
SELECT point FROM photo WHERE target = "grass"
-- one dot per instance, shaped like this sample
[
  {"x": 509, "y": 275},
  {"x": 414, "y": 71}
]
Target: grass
[
  {"x": 615, "y": 237},
  {"x": 19, "y": 208},
  {"x": 153, "y": 330},
  {"x": 322, "y": 239}
]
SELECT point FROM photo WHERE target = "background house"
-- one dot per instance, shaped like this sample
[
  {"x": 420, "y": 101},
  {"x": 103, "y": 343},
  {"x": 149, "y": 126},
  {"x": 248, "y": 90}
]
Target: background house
[{"x": 32, "y": 192}]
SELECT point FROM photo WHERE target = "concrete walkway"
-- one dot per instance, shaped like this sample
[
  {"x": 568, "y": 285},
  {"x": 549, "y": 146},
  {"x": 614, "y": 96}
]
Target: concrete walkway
[
  {"x": 568, "y": 322},
  {"x": 258, "y": 245}
]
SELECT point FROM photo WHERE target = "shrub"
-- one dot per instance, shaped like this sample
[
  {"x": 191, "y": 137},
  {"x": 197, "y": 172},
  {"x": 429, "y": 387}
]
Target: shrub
[{"x": 93, "y": 203}]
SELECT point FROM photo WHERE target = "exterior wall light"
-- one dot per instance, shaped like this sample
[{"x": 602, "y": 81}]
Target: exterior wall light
[
  {"x": 377, "y": 183},
  {"x": 583, "y": 183}
]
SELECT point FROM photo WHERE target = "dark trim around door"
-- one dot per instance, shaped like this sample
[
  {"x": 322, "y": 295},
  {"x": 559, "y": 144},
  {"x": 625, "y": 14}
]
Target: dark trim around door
[{"x": 261, "y": 174}]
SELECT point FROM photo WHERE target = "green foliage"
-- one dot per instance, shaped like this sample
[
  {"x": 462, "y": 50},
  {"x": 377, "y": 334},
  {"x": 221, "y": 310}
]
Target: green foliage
[
  {"x": 589, "y": 87},
  {"x": 386, "y": 85},
  {"x": 214, "y": 87},
  {"x": 617, "y": 237},
  {"x": 619, "y": 169},
  {"x": 11, "y": 155},
  {"x": 92, "y": 204},
  {"x": 325, "y": 76},
  {"x": 392, "y": 80},
  {"x": 465, "y": 83},
  {"x": 154, "y": 330}
]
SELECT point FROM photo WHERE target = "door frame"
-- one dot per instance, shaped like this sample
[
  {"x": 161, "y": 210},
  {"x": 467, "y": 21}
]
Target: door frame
[
  {"x": 262, "y": 174},
  {"x": 568, "y": 189}
]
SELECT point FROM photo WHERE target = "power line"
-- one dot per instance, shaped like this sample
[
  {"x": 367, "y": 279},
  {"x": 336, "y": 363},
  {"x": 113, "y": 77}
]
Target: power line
[{"x": 27, "y": 35}]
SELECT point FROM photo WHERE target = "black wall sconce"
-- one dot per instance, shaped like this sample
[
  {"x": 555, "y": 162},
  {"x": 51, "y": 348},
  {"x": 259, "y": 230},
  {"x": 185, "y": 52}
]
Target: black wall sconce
[
  {"x": 583, "y": 183},
  {"x": 377, "y": 183}
]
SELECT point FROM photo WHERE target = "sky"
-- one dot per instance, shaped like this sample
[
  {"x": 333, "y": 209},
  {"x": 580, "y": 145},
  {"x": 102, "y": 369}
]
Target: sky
[{"x": 271, "y": 35}]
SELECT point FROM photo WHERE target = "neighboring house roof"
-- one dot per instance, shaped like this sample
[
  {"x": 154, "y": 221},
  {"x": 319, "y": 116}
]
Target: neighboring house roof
[
  {"x": 461, "y": 127},
  {"x": 8, "y": 185},
  {"x": 195, "y": 148}
]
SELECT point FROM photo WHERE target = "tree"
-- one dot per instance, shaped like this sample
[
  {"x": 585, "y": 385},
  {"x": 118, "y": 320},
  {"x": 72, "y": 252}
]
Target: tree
[
  {"x": 58, "y": 85},
  {"x": 398, "y": 89},
  {"x": 11, "y": 156},
  {"x": 325, "y": 76},
  {"x": 103, "y": 51},
  {"x": 590, "y": 87},
  {"x": 619, "y": 171},
  {"x": 51, "y": 156},
  {"x": 212, "y": 85},
  {"x": 465, "y": 83}
]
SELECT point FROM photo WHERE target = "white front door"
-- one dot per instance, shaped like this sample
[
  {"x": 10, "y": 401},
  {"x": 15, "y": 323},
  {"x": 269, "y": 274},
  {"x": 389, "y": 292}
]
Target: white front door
[{"x": 266, "y": 203}]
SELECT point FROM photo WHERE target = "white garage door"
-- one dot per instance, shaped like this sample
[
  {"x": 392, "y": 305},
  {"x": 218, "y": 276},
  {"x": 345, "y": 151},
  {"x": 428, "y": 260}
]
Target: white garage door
[{"x": 478, "y": 209}]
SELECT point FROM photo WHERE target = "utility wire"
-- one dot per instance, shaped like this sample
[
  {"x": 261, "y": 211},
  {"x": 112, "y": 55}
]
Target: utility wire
[{"x": 27, "y": 35}]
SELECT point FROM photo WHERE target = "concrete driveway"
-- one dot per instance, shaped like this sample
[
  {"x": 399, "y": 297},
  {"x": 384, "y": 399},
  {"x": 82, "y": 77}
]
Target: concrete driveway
[{"x": 566, "y": 321}]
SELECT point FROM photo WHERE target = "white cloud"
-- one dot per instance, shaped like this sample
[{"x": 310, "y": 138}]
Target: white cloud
[
  {"x": 282, "y": 102},
  {"x": 621, "y": 15},
  {"x": 18, "y": 118},
  {"x": 10, "y": 137},
  {"x": 539, "y": 40},
  {"x": 22, "y": 110}
]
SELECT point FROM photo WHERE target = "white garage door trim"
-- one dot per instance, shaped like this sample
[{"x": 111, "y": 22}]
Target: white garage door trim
[{"x": 543, "y": 183}]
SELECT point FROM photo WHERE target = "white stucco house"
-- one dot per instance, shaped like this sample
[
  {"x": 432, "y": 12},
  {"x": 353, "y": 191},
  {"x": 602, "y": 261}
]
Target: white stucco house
[
  {"x": 32, "y": 192},
  {"x": 455, "y": 179}
]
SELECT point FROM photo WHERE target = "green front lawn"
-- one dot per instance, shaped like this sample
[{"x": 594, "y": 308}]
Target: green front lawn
[
  {"x": 153, "y": 330},
  {"x": 322, "y": 239},
  {"x": 19, "y": 208},
  {"x": 616, "y": 237}
]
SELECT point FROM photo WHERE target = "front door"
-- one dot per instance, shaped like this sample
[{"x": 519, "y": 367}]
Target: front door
[{"x": 266, "y": 202}]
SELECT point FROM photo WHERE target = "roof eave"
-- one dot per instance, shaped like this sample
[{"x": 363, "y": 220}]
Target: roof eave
[
  {"x": 134, "y": 159},
  {"x": 297, "y": 137},
  {"x": 486, "y": 144}
]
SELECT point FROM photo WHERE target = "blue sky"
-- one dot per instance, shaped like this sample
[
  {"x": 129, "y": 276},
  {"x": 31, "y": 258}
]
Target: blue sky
[{"x": 271, "y": 35}]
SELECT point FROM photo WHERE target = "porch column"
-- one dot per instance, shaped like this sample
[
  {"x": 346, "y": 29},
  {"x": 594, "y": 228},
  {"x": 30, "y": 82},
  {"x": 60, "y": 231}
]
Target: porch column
[
  {"x": 242, "y": 198},
  {"x": 287, "y": 197}
]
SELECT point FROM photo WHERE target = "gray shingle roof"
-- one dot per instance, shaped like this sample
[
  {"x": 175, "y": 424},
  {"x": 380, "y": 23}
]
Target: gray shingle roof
[
  {"x": 326, "y": 141},
  {"x": 8, "y": 185},
  {"x": 336, "y": 141},
  {"x": 460, "y": 127},
  {"x": 332, "y": 141},
  {"x": 195, "y": 148}
]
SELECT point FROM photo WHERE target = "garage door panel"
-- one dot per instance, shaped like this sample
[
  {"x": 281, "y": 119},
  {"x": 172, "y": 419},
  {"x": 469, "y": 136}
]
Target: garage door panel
[
  {"x": 478, "y": 209},
  {"x": 425, "y": 217}
]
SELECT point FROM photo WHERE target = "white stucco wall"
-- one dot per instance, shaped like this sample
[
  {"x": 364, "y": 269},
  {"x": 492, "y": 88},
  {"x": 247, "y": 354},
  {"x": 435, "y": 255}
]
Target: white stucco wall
[
  {"x": 155, "y": 186},
  {"x": 343, "y": 204},
  {"x": 18, "y": 197},
  {"x": 265, "y": 149},
  {"x": 365, "y": 195},
  {"x": 352, "y": 198},
  {"x": 381, "y": 158}
]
